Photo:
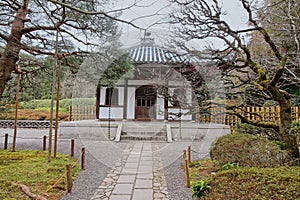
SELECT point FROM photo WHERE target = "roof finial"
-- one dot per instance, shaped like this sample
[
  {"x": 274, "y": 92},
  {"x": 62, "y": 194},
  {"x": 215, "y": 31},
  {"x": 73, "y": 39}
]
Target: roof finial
[
  {"x": 147, "y": 40},
  {"x": 147, "y": 34}
]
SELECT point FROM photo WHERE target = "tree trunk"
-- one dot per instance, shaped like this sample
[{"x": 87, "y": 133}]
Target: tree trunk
[
  {"x": 285, "y": 121},
  {"x": 284, "y": 129},
  {"x": 10, "y": 54}
]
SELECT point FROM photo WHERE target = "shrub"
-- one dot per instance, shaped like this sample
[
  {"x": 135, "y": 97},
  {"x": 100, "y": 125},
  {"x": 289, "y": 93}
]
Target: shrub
[
  {"x": 248, "y": 150},
  {"x": 229, "y": 166},
  {"x": 256, "y": 184},
  {"x": 200, "y": 188},
  {"x": 255, "y": 130},
  {"x": 64, "y": 103},
  {"x": 295, "y": 129}
]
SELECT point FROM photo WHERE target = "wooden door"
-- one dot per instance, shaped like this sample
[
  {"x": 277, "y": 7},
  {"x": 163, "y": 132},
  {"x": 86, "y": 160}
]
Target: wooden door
[{"x": 145, "y": 103}]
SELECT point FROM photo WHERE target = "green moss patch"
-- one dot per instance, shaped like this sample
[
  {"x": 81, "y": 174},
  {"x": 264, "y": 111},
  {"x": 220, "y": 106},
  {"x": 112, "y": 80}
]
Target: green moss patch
[{"x": 33, "y": 169}]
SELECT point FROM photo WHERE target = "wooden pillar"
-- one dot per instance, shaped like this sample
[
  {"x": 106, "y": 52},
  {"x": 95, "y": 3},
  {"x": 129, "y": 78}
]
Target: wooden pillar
[
  {"x": 166, "y": 103},
  {"x": 98, "y": 93},
  {"x": 125, "y": 104},
  {"x": 166, "y": 112},
  {"x": 194, "y": 113}
]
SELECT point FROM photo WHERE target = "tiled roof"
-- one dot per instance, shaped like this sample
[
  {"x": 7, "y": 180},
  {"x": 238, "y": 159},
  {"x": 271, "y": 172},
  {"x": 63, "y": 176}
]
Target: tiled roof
[{"x": 157, "y": 55}]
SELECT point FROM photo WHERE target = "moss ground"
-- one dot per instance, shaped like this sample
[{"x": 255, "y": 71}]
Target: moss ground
[{"x": 33, "y": 169}]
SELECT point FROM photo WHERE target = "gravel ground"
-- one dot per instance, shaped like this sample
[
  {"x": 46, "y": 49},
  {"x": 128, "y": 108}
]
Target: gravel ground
[
  {"x": 101, "y": 156},
  {"x": 171, "y": 155}
]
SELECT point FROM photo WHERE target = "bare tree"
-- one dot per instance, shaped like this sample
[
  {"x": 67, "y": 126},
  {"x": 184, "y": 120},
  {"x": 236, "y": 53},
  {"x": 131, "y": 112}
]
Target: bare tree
[
  {"x": 242, "y": 67},
  {"x": 29, "y": 27}
]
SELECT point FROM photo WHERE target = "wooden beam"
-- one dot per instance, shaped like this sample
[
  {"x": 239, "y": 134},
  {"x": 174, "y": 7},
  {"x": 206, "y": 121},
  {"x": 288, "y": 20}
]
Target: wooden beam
[
  {"x": 98, "y": 93},
  {"x": 125, "y": 103}
]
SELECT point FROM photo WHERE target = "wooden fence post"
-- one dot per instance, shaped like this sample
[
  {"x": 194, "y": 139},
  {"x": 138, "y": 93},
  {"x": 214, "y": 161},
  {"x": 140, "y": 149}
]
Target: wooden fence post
[
  {"x": 82, "y": 158},
  {"x": 72, "y": 147},
  {"x": 44, "y": 142},
  {"x": 296, "y": 113},
  {"x": 6, "y": 141},
  {"x": 184, "y": 156},
  {"x": 69, "y": 178},
  {"x": 187, "y": 174},
  {"x": 189, "y": 154},
  {"x": 70, "y": 113}
]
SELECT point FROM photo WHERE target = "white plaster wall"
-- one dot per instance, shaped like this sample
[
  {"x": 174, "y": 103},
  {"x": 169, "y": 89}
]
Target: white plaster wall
[
  {"x": 160, "y": 108},
  {"x": 116, "y": 113},
  {"x": 131, "y": 103},
  {"x": 121, "y": 95},
  {"x": 189, "y": 95},
  {"x": 102, "y": 95}
]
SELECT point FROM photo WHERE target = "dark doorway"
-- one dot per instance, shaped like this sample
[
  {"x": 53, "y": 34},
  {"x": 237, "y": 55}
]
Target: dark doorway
[{"x": 145, "y": 103}]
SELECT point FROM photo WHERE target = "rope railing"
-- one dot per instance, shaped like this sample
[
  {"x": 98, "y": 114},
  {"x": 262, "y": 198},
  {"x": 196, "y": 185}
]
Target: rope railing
[
  {"x": 67, "y": 173},
  {"x": 63, "y": 175}
]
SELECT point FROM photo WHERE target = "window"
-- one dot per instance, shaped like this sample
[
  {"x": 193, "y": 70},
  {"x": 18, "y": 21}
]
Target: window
[{"x": 111, "y": 96}]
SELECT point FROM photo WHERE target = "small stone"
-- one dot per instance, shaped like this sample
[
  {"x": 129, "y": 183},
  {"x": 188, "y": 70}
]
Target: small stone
[
  {"x": 101, "y": 192},
  {"x": 156, "y": 184},
  {"x": 111, "y": 187},
  {"x": 102, "y": 186},
  {"x": 156, "y": 188},
  {"x": 108, "y": 180},
  {"x": 158, "y": 195},
  {"x": 108, "y": 193},
  {"x": 164, "y": 192}
]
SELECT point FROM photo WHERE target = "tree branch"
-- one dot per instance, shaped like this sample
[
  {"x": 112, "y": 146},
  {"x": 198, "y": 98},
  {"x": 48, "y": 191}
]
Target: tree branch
[{"x": 94, "y": 13}]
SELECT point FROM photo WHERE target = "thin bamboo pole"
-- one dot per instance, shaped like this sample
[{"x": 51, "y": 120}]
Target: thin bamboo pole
[
  {"x": 57, "y": 106},
  {"x": 52, "y": 100},
  {"x": 16, "y": 114}
]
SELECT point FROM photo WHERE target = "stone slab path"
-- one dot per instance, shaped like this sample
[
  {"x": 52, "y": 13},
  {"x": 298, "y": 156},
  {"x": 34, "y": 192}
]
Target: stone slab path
[{"x": 137, "y": 175}]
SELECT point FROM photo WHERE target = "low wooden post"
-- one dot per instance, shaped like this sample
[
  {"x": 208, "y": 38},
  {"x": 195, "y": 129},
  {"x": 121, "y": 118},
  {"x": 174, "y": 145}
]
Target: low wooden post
[
  {"x": 187, "y": 174},
  {"x": 184, "y": 156},
  {"x": 72, "y": 147},
  {"x": 6, "y": 141},
  {"x": 189, "y": 154},
  {"x": 44, "y": 143},
  {"x": 69, "y": 178},
  {"x": 70, "y": 113},
  {"x": 82, "y": 158}
]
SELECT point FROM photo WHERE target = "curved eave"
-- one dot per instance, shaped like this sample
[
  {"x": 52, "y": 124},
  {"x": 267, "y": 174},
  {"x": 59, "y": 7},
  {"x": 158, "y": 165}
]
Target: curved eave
[{"x": 156, "y": 55}]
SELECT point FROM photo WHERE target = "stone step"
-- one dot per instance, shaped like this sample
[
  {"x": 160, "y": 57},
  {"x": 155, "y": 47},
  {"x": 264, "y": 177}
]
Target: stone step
[
  {"x": 144, "y": 133},
  {"x": 142, "y": 129},
  {"x": 143, "y": 137},
  {"x": 158, "y": 135}
]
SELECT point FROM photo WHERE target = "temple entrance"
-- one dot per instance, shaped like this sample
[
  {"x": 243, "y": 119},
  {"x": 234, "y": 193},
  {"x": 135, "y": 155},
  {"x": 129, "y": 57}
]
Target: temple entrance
[{"x": 145, "y": 103}]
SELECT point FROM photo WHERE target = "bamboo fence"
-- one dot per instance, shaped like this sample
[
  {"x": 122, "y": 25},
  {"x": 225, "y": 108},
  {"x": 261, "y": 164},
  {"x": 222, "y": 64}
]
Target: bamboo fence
[
  {"x": 82, "y": 112},
  {"x": 265, "y": 114},
  {"x": 213, "y": 115}
]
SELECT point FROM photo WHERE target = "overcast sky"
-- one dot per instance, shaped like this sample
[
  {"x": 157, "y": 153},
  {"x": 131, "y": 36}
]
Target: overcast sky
[{"x": 149, "y": 12}]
